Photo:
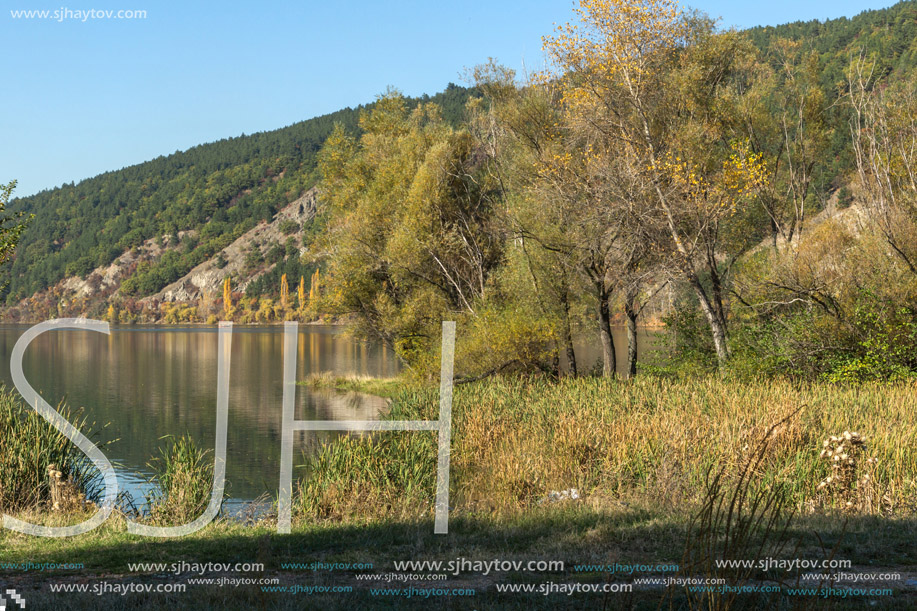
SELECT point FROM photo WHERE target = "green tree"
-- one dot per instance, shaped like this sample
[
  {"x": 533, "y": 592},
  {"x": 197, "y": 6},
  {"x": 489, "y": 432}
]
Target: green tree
[
  {"x": 665, "y": 93},
  {"x": 12, "y": 224},
  {"x": 411, "y": 236}
]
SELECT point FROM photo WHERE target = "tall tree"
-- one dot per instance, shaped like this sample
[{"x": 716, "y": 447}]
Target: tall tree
[
  {"x": 301, "y": 294},
  {"x": 884, "y": 130},
  {"x": 785, "y": 118},
  {"x": 12, "y": 224},
  {"x": 410, "y": 232},
  {"x": 227, "y": 299},
  {"x": 663, "y": 90},
  {"x": 573, "y": 217},
  {"x": 284, "y": 292}
]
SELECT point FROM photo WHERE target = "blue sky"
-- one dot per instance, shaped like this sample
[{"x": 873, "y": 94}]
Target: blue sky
[{"x": 83, "y": 97}]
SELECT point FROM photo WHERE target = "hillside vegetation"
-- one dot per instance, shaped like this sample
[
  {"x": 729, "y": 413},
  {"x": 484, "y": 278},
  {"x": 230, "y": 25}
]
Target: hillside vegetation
[
  {"x": 754, "y": 189},
  {"x": 218, "y": 191}
]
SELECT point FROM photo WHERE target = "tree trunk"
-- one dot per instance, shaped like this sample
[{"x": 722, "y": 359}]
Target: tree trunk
[
  {"x": 568, "y": 334},
  {"x": 717, "y": 325},
  {"x": 555, "y": 361},
  {"x": 571, "y": 355},
  {"x": 609, "y": 359},
  {"x": 631, "y": 314}
]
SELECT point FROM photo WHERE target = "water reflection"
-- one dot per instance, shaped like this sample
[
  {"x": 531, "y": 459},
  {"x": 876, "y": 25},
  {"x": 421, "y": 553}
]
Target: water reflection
[
  {"x": 151, "y": 382},
  {"x": 588, "y": 349}
]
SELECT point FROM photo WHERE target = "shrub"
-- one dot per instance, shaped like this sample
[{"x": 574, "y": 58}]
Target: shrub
[
  {"x": 183, "y": 476},
  {"x": 29, "y": 446}
]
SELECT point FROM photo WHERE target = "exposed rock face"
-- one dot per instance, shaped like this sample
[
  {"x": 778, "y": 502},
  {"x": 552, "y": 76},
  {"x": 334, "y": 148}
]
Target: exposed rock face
[
  {"x": 110, "y": 277},
  {"x": 79, "y": 296},
  {"x": 207, "y": 278}
]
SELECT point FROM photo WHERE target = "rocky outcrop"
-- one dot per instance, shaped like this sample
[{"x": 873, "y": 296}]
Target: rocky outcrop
[
  {"x": 107, "y": 279},
  {"x": 207, "y": 278},
  {"x": 91, "y": 295}
]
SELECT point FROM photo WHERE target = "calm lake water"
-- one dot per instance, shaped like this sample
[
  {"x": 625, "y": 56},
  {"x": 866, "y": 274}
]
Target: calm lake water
[{"x": 149, "y": 382}]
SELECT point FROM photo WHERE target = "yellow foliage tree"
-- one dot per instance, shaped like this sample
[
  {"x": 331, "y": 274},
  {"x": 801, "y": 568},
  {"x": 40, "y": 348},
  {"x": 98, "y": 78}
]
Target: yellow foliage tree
[
  {"x": 265, "y": 312},
  {"x": 661, "y": 98},
  {"x": 302, "y": 294},
  {"x": 314, "y": 290},
  {"x": 284, "y": 292},
  {"x": 227, "y": 299}
]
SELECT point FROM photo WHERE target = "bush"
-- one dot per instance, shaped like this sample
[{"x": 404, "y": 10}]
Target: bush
[
  {"x": 688, "y": 337},
  {"x": 183, "y": 476},
  {"x": 885, "y": 345},
  {"x": 28, "y": 447}
]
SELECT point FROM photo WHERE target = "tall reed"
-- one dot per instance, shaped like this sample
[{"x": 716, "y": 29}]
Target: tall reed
[
  {"x": 654, "y": 439},
  {"x": 28, "y": 446},
  {"x": 183, "y": 476}
]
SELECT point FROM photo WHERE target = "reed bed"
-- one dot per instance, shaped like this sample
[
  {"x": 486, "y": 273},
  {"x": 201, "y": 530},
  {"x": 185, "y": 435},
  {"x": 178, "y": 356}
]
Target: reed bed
[
  {"x": 183, "y": 475},
  {"x": 382, "y": 387},
  {"x": 29, "y": 446},
  {"x": 651, "y": 440}
]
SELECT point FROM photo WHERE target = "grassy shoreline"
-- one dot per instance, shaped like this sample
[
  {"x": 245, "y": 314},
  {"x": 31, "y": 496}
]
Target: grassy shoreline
[
  {"x": 516, "y": 439},
  {"x": 636, "y": 451}
]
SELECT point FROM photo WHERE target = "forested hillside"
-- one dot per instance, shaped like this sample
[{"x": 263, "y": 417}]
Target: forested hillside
[
  {"x": 888, "y": 36},
  {"x": 754, "y": 190},
  {"x": 219, "y": 190}
]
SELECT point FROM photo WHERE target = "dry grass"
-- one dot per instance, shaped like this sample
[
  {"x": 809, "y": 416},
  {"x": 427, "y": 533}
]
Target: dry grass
[
  {"x": 651, "y": 440},
  {"x": 29, "y": 447}
]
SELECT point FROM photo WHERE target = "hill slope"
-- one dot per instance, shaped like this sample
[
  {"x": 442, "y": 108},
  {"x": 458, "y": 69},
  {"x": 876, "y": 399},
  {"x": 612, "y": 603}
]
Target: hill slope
[
  {"x": 888, "y": 36},
  {"x": 212, "y": 193},
  {"x": 152, "y": 231}
]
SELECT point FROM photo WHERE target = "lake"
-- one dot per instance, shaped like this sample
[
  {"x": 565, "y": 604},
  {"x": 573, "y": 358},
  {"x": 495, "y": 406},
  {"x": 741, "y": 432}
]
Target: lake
[{"x": 148, "y": 382}]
